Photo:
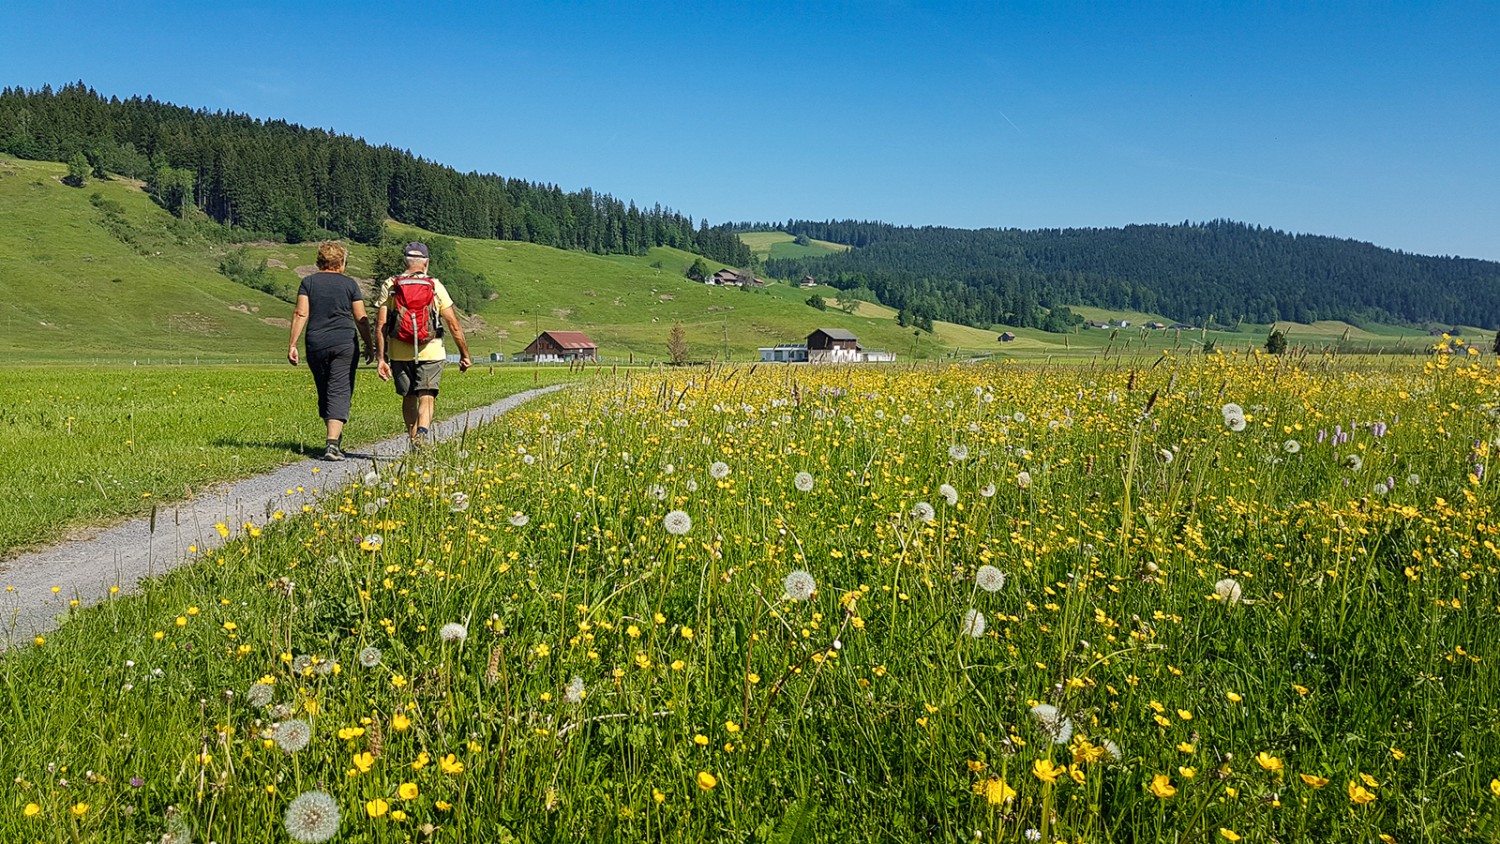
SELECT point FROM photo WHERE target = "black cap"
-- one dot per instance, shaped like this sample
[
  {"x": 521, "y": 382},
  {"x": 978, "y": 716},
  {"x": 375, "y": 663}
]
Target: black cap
[{"x": 415, "y": 250}]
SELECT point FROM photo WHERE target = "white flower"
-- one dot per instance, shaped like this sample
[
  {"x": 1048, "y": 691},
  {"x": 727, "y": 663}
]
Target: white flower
[
  {"x": 973, "y": 624},
  {"x": 312, "y": 818},
  {"x": 990, "y": 579},
  {"x": 574, "y": 692},
  {"x": 803, "y": 482},
  {"x": 458, "y": 502},
  {"x": 948, "y": 493},
  {"x": 923, "y": 512},
  {"x": 677, "y": 523},
  {"x": 987, "y": 491},
  {"x": 369, "y": 657},
  {"x": 1053, "y": 723},
  {"x": 1166, "y": 456},
  {"x": 1023, "y": 479},
  {"x": 518, "y": 519},
  {"x": 718, "y": 471},
  {"x": 1291, "y": 446},
  {"x": 259, "y": 694},
  {"x": 1236, "y": 423},
  {"x": 1228, "y": 590},
  {"x": 292, "y": 736},
  {"x": 799, "y": 585},
  {"x": 958, "y": 451},
  {"x": 691, "y": 485},
  {"x": 453, "y": 632}
]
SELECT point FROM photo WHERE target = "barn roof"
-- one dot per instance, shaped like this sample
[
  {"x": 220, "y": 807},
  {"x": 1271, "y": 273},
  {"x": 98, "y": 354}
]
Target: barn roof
[
  {"x": 571, "y": 339},
  {"x": 838, "y": 333}
]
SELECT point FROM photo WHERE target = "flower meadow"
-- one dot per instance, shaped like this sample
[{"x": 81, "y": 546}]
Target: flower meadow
[{"x": 1229, "y": 598}]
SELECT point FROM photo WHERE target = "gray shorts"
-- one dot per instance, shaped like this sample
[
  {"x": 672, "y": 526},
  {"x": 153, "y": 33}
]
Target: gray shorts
[{"x": 413, "y": 376}]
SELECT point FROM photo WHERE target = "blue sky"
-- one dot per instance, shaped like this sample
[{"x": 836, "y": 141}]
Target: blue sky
[{"x": 1373, "y": 121}]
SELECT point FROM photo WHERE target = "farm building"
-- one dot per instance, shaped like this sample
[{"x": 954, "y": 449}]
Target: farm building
[
  {"x": 832, "y": 345},
  {"x": 784, "y": 353},
  {"x": 808, "y": 281},
  {"x": 1007, "y": 336},
  {"x": 556, "y": 346}
]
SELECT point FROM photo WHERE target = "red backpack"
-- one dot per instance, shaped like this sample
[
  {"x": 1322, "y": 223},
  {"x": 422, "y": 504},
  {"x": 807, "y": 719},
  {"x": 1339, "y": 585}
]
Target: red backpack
[{"x": 414, "y": 317}]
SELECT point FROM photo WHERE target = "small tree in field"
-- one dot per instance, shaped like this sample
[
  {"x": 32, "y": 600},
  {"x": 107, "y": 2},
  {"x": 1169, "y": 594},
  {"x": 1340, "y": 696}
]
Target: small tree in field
[
  {"x": 1276, "y": 343},
  {"x": 78, "y": 170},
  {"x": 677, "y": 347}
]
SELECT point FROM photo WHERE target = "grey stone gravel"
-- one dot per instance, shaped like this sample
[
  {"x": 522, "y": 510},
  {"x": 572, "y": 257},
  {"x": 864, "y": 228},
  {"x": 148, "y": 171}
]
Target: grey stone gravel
[{"x": 121, "y": 555}]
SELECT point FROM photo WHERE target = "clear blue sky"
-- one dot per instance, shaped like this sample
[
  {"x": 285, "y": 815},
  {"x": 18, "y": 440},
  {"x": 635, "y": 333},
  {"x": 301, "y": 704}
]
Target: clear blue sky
[{"x": 1374, "y": 121}]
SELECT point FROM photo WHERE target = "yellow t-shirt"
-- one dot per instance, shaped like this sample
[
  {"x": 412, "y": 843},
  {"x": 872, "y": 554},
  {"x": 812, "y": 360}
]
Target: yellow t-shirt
[{"x": 399, "y": 350}]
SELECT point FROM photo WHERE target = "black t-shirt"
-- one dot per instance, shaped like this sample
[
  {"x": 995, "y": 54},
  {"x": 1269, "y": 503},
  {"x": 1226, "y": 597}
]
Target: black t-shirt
[{"x": 330, "y": 311}]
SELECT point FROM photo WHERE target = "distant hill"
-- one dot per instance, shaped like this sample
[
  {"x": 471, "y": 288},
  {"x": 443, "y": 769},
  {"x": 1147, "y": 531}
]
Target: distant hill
[
  {"x": 1220, "y": 270},
  {"x": 768, "y": 244},
  {"x": 286, "y": 182}
]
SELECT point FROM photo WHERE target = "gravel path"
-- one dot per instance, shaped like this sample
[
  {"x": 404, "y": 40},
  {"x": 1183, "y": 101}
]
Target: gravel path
[{"x": 85, "y": 569}]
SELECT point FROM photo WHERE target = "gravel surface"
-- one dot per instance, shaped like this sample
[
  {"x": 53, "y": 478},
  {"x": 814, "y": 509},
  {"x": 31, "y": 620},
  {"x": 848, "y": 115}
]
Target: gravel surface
[{"x": 121, "y": 555}]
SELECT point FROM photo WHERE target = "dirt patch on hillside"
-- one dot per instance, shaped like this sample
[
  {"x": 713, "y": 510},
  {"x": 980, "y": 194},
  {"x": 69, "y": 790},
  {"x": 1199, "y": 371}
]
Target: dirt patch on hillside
[
  {"x": 276, "y": 322},
  {"x": 304, "y": 270},
  {"x": 193, "y": 323},
  {"x": 272, "y": 262},
  {"x": 245, "y": 309},
  {"x": 562, "y": 313}
]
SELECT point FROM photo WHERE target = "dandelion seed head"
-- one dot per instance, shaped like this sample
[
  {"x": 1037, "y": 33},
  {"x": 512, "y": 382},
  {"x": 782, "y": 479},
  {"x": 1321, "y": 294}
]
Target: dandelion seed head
[
  {"x": 1053, "y": 723},
  {"x": 1354, "y": 462},
  {"x": 990, "y": 579},
  {"x": 677, "y": 523},
  {"x": 292, "y": 736},
  {"x": 369, "y": 657},
  {"x": 948, "y": 493},
  {"x": 973, "y": 624},
  {"x": 1236, "y": 424},
  {"x": 923, "y": 512},
  {"x": 312, "y": 818},
  {"x": 803, "y": 482},
  {"x": 453, "y": 632},
  {"x": 799, "y": 585},
  {"x": 958, "y": 451},
  {"x": 518, "y": 519},
  {"x": 458, "y": 502},
  {"x": 719, "y": 470},
  {"x": 1023, "y": 479},
  {"x": 1228, "y": 590},
  {"x": 987, "y": 491},
  {"x": 1291, "y": 446},
  {"x": 574, "y": 692},
  {"x": 260, "y": 694}
]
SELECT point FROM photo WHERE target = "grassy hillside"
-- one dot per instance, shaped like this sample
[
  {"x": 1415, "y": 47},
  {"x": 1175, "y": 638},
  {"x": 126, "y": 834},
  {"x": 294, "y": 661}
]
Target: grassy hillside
[
  {"x": 767, "y": 245},
  {"x": 102, "y": 273}
]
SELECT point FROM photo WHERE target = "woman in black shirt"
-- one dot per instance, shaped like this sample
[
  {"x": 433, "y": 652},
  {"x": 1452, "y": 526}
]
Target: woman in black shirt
[{"x": 330, "y": 306}]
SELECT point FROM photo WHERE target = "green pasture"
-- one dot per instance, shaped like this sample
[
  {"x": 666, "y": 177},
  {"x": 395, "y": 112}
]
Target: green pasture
[
  {"x": 85, "y": 445},
  {"x": 768, "y": 245}
]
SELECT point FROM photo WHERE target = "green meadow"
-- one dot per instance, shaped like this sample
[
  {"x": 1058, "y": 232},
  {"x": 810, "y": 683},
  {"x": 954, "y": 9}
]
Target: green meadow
[{"x": 86, "y": 445}]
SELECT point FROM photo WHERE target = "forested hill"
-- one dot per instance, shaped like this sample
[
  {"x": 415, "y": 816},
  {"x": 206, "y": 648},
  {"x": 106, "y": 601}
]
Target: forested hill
[
  {"x": 279, "y": 180},
  {"x": 1190, "y": 272}
]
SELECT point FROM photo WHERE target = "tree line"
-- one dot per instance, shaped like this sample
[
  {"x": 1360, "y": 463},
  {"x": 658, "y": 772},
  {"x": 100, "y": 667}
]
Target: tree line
[
  {"x": 279, "y": 180},
  {"x": 1192, "y": 272}
]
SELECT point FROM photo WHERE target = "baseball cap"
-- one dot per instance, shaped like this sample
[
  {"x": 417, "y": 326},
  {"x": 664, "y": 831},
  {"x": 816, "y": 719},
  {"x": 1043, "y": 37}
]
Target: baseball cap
[{"x": 415, "y": 250}]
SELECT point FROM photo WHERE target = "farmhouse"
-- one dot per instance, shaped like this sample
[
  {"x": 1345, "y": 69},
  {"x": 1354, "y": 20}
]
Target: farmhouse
[
  {"x": 557, "y": 346},
  {"x": 808, "y": 281},
  {"x": 726, "y": 277},
  {"x": 832, "y": 345},
  {"x": 1007, "y": 336}
]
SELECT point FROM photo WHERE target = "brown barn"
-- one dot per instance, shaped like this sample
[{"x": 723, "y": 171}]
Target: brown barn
[
  {"x": 562, "y": 345},
  {"x": 832, "y": 345}
]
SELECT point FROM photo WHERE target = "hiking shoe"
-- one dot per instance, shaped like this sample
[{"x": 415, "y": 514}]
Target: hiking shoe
[{"x": 333, "y": 454}]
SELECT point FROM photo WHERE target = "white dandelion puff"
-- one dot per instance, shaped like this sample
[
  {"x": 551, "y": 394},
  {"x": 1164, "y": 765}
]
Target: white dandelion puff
[
  {"x": 923, "y": 512},
  {"x": 1023, "y": 479},
  {"x": 1018, "y": 417},
  {"x": 1228, "y": 590},
  {"x": 1413, "y": 479},
  {"x": 458, "y": 502},
  {"x": 453, "y": 632},
  {"x": 1111, "y": 749},
  {"x": 691, "y": 485},
  {"x": 948, "y": 493},
  {"x": 1354, "y": 462},
  {"x": 372, "y": 542},
  {"x": 1291, "y": 446},
  {"x": 990, "y": 579},
  {"x": 803, "y": 482},
  {"x": 292, "y": 736},
  {"x": 973, "y": 624},
  {"x": 369, "y": 657},
  {"x": 1236, "y": 424},
  {"x": 987, "y": 491},
  {"x": 1052, "y": 723},
  {"x": 1231, "y": 410},
  {"x": 719, "y": 470},
  {"x": 260, "y": 694},
  {"x": 799, "y": 585},
  {"x": 657, "y": 492},
  {"x": 312, "y": 818},
  {"x": 519, "y": 519},
  {"x": 906, "y": 419},
  {"x": 1381, "y": 489},
  {"x": 575, "y": 691},
  {"x": 371, "y": 478},
  {"x": 958, "y": 451},
  {"x": 677, "y": 522},
  {"x": 1166, "y": 456}
]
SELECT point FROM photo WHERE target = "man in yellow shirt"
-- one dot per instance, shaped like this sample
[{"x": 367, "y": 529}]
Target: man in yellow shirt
[{"x": 417, "y": 371}]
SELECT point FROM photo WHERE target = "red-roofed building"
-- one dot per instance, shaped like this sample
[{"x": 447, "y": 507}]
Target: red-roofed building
[{"x": 553, "y": 346}]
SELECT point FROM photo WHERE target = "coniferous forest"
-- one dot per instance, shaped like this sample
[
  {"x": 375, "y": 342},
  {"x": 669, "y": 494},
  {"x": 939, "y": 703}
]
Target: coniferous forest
[
  {"x": 274, "y": 179},
  {"x": 1193, "y": 272}
]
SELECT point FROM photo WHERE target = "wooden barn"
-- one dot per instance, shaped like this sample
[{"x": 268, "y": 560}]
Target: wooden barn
[
  {"x": 832, "y": 345},
  {"x": 555, "y": 346}
]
